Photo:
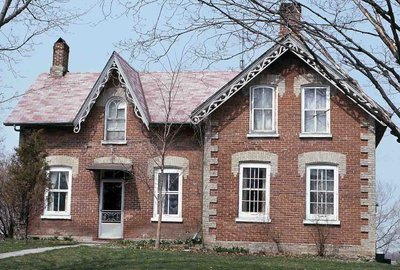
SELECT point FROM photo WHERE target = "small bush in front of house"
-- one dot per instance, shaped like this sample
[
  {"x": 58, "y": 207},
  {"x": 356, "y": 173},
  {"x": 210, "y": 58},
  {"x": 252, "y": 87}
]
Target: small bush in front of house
[{"x": 231, "y": 250}]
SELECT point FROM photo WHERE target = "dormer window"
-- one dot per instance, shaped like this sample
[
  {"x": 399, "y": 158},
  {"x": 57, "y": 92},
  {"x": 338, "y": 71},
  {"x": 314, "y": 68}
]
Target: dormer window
[
  {"x": 115, "y": 121},
  {"x": 315, "y": 111},
  {"x": 262, "y": 113}
]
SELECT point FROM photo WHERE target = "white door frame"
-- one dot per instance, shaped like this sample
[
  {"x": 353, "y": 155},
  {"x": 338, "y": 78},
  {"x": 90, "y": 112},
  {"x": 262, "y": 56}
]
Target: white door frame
[{"x": 102, "y": 181}]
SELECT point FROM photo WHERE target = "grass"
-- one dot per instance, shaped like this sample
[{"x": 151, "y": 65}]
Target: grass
[
  {"x": 114, "y": 257},
  {"x": 9, "y": 245}
]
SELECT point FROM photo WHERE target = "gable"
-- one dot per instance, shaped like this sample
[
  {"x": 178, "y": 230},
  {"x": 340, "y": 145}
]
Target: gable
[
  {"x": 129, "y": 80},
  {"x": 334, "y": 76}
]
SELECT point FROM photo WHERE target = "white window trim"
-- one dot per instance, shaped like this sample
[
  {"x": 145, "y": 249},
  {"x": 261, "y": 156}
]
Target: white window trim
[
  {"x": 254, "y": 217},
  {"x": 326, "y": 134},
  {"x": 323, "y": 219},
  {"x": 106, "y": 141},
  {"x": 59, "y": 214},
  {"x": 264, "y": 133},
  {"x": 166, "y": 217}
]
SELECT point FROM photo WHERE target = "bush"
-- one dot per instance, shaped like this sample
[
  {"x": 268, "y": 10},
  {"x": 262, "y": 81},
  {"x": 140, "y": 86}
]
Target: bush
[{"x": 235, "y": 250}]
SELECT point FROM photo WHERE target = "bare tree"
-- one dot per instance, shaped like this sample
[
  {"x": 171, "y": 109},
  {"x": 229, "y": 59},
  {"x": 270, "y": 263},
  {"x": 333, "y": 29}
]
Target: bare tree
[
  {"x": 163, "y": 138},
  {"x": 21, "y": 22},
  {"x": 362, "y": 35},
  {"x": 387, "y": 219}
]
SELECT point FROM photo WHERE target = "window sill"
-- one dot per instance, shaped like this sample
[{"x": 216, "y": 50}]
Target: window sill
[
  {"x": 168, "y": 219},
  {"x": 321, "y": 222},
  {"x": 315, "y": 135},
  {"x": 263, "y": 135},
  {"x": 253, "y": 220},
  {"x": 55, "y": 217},
  {"x": 114, "y": 142}
]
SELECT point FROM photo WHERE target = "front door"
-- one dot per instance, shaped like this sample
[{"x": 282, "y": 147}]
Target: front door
[{"x": 111, "y": 209}]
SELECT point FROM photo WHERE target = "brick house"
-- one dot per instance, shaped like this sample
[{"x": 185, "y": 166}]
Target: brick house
[{"x": 264, "y": 158}]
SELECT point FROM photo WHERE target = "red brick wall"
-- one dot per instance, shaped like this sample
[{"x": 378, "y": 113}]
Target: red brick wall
[
  {"x": 287, "y": 188},
  {"x": 138, "y": 209}
]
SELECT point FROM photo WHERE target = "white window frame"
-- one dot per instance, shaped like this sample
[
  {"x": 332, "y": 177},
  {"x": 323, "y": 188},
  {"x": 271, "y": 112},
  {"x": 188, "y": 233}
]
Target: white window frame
[
  {"x": 326, "y": 133},
  {"x": 59, "y": 214},
  {"x": 332, "y": 219},
  {"x": 264, "y": 133},
  {"x": 254, "y": 217},
  {"x": 167, "y": 217},
  {"x": 106, "y": 110}
]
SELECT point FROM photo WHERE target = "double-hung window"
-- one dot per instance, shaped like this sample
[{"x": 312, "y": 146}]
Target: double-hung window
[
  {"x": 58, "y": 196},
  {"x": 322, "y": 193},
  {"x": 315, "y": 110},
  {"x": 254, "y": 179},
  {"x": 171, "y": 195},
  {"x": 262, "y": 114},
  {"x": 115, "y": 120}
]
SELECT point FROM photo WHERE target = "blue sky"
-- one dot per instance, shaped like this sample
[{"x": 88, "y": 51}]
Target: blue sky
[{"x": 91, "y": 44}]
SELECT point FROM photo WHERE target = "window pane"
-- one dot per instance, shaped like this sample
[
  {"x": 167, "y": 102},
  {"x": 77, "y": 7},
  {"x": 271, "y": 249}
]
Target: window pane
[
  {"x": 50, "y": 202},
  {"x": 112, "y": 110},
  {"x": 253, "y": 183},
  {"x": 313, "y": 185},
  {"x": 313, "y": 197},
  {"x": 330, "y": 197},
  {"x": 321, "y": 121},
  {"x": 258, "y": 119},
  {"x": 309, "y": 121},
  {"x": 246, "y": 183},
  {"x": 267, "y": 120},
  {"x": 254, "y": 172},
  {"x": 112, "y": 124},
  {"x": 245, "y": 206},
  {"x": 63, "y": 201},
  {"x": 121, "y": 110},
  {"x": 321, "y": 98},
  {"x": 165, "y": 204},
  {"x": 309, "y": 98},
  {"x": 173, "y": 182},
  {"x": 63, "y": 180},
  {"x": 54, "y": 179},
  {"x": 313, "y": 208},
  {"x": 162, "y": 181},
  {"x": 55, "y": 201},
  {"x": 120, "y": 124},
  {"x": 246, "y": 172},
  {"x": 261, "y": 195},
  {"x": 258, "y": 98},
  {"x": 313, "y": 174},
  {"x": 330, "y": 209},
  {"x": 330, "y": 175},
  {"x": 246, "y": 195},
  {"x": 330, "y": 185},
  {"x": 173, "y": 204},
  {"x": 267, "y": 96},
  {"x": 321, "y": 210},
  {"x": 262, "y": 173}
]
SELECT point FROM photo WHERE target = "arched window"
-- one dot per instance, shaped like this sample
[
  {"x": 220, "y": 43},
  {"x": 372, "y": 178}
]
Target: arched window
[{"x": 115, "y": 115}]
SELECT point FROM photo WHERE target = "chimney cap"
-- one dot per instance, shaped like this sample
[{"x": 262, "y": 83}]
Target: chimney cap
[{"x": 60, "y": 40}]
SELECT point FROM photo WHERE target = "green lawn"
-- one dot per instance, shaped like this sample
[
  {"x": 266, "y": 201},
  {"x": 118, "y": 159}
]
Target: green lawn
[
  {"x": 107, "y": 257},
  {"x": 14, "y": 245}
]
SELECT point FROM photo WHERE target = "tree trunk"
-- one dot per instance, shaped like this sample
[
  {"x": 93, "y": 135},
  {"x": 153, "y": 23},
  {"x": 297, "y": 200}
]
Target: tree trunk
[{"x": 159, "y": 209}]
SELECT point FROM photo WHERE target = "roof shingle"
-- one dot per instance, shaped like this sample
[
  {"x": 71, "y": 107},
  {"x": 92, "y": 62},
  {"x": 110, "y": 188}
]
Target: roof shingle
[{"x": 52, "y": 100}]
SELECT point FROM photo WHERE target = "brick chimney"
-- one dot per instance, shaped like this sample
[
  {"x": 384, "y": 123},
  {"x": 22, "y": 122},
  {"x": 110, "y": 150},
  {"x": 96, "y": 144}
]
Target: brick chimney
[
  {"x": 290, "y": 14},
  {"x": 60, "y": 58}
]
